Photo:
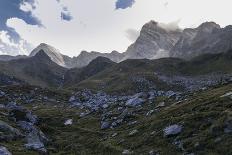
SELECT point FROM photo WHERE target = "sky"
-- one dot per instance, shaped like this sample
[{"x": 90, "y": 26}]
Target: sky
[{"x": 96, "y": 25}]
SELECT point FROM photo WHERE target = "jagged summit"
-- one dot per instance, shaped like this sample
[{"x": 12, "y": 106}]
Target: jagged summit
[{"x": 52, "y": 52}]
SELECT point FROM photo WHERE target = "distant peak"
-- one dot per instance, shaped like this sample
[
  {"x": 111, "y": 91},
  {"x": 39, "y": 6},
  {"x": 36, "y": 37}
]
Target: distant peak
[{"x": 209, "y": 26}]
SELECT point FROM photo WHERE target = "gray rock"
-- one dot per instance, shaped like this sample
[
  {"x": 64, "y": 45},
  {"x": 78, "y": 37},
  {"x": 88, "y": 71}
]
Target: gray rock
[
  {"x": 127, "y": 152},
  {"x": 150, "y": 112},
  {"x": 34, "y": 142},
  {"x": 172, "y": 130},
  {"x": 34, "y": 137},
  {"x": 133, "y": 132},
  {"x": 2, "y": 93},
  {"x": 11, "y": 131},
  {"x": 32, "y": 118},
  {"x": 160, "y": 105},
  {"x": 229, "y": 94},
  {"x": 105, "y": 125},
  {"x": 228, "y": 126},
  {"x": 68, "y": 122},
  {"x": 4, "y": 151}
]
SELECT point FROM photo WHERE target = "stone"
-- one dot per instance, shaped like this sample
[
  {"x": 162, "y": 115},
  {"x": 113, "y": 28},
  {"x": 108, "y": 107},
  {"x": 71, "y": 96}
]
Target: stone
[
  {"x": 2, "y": 93},
  {"x": 170, "y": 93},
  {"x": 229, "y": 94},
  {"x": 104, "y": 106},
  {"x": 34, "y": 137},
  {"x": 127, "y": 152},
  {"x": 6, "y": 128},
  {"x": 114, "y": 134},
  {"x": 172, "y": 130},
  {"x": 34, "y": 142},
  {"x": 4, "y": 151},
  {"x": 105, "y": 125},
  {"x": 160, "y": 105},
  {"x": 72, "y": 99},
  {"x": 133, "y": 132},
  {"x": 135, "y": 102},
  {"x": 68, "y": 122},
  {"x": 149, "y": 112},
  {"x": 32, "y": 118},
  {"x": 228, "y": 126}
]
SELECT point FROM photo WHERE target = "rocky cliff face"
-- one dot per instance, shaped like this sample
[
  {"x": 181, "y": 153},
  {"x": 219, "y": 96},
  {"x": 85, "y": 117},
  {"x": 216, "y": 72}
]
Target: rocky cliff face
[{"x": 156, "y": 42}]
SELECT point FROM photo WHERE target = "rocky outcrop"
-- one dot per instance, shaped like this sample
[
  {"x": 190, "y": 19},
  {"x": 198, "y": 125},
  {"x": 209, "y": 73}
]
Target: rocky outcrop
[
  {"x": 154, "y": 42},
  {"x": 4, "y": 151}
]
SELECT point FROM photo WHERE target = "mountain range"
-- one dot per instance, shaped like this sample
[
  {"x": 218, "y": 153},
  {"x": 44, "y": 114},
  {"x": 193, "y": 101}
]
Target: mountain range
[{"x": 155, "y": 41}]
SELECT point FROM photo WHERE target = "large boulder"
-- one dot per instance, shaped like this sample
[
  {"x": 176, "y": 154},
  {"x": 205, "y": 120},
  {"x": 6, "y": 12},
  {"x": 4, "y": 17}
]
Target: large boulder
[
  {"x": 4, "y": 151},
  {"x": 8, "y": 132},
  {"x": 35, "y": 138},
  {"x": 172, "y": 130}
]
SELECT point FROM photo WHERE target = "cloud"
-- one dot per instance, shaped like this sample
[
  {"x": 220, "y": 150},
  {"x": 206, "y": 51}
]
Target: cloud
[
  {"x": 66, "y": 15},
  {"x": 172, "y": 26},
  {"x": 9, "y": 47},
  {"x": 132, "y": 34},
  {"x": 123, "y": 4}
]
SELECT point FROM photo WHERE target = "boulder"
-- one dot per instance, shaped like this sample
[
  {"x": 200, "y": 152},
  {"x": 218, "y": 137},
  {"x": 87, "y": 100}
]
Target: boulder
[
  {"x": 34, "y": 137},
  {"x": 34, "y": 142},
  {"x": 127, "y": 152},
  {"x": 8, "y": 131},
  {"x": 228, "y": 126},
  {"x": 105, "y": 125},
  {"x": 2, "y": 93},
  {"x": 4, "y": 151},
  {"x": 172, "y": 130},
  {"x": 229, "y": 94},
  {"x": 135, "y": 102},
  {"x": 133, "y": 132},
  {"x": 68, "y": 122}
]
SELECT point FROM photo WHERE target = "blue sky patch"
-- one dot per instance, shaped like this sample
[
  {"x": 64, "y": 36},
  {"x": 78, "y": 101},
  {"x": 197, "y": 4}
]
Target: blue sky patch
[
  {"x": 10, "y": 9},
  {"x": 124, "y": 4}
]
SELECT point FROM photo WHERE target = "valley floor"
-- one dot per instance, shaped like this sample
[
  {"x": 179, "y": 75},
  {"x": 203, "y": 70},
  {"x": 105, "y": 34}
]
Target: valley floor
[{"x": 35, "y": 120}]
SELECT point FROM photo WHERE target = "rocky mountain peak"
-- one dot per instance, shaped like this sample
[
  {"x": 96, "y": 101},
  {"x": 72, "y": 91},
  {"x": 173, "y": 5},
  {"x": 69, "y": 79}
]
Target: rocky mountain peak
[
  {"x": 52, "y": 52},
  {"x": 208, "y": 27}
]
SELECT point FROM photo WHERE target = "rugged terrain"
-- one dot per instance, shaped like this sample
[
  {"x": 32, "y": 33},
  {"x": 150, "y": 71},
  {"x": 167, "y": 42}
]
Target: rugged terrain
[
  {"x": 100, "y": 103},
  {"x": 158, "y": 122}
]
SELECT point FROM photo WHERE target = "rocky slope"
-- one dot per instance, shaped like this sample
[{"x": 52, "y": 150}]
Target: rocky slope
[
  {"x": 36, "y": 120},
  {"x": 77, "y": 75},
  {"x": 132, "y": 76}
]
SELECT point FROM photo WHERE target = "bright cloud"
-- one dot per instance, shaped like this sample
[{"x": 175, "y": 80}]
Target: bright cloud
[{"x": 9, "y": 47}]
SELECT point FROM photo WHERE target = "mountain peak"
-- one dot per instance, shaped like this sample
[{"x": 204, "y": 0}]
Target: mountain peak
[
  {"x": 208, "y": 26},
  {"x": 51, "y": 52}
]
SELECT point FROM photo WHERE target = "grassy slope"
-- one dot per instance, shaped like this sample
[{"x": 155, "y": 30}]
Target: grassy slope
[
  {"x": 120, "y": 77},
  {"x": 203, "y": 118}
]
